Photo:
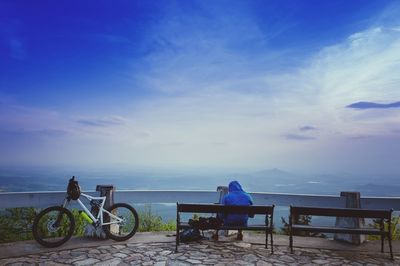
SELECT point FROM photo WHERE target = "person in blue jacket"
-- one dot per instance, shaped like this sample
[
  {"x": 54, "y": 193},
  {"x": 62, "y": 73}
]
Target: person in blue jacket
[{"x": 236, "y": 196}]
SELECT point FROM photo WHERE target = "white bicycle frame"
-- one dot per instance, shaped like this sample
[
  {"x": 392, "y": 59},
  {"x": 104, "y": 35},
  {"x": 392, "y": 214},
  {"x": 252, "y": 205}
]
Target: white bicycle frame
[{"x": 100, "y": 213}]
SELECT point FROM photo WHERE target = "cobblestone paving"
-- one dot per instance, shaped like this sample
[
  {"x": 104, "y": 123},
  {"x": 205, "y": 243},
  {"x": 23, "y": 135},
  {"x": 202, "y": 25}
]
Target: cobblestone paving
[{"x": 204, "y": 253}]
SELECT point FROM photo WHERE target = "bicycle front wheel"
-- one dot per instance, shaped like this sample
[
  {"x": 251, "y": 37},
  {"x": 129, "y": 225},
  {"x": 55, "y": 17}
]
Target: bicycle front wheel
[
  {"x": 53, "y": 226},
  {"x": 122, "y": 222}
]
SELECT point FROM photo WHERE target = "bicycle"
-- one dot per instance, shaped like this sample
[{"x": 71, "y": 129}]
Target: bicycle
[{"x": 55, "y": 225}]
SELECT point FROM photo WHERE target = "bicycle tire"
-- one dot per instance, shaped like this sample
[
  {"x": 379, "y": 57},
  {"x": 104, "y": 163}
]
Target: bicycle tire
[
  {"x": 44, "y": 231},
  {"x": 129, "y": 226}
]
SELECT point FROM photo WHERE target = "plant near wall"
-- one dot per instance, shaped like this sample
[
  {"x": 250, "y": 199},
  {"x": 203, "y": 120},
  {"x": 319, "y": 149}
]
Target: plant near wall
[
  {"x": 16, "y": 224},
  {"x": 395, "y": 227},
  {"x": 148, "y": 221},
  {"x": 80, "y": 223},
  {"x": 300, "y": 219}
]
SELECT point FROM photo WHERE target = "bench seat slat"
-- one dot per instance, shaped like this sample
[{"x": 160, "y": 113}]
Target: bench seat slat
[
  {"x": 325, "y": 229},
  {"x": 341, "y": 212},
  {"x": 217, "y": 208},
  {"x": 248, "y": 227}
]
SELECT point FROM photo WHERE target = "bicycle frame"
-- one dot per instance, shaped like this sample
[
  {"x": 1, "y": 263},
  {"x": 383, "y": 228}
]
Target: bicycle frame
[{"x": 99, "y": 219}]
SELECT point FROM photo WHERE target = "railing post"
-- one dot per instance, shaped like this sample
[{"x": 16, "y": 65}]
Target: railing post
[
  {"x": 108, "y": 192},
  {"x": 223, "y": 190},
  {"x": 352, "y": 201}
]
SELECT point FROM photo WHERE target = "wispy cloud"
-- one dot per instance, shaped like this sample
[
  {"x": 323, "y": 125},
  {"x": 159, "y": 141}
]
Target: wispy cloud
[
  {"x": 22, "y": 120},
  {"x": 205, "y": 52},
  {"x": 14, "y": 116},
  {"x": 361, "y": 137},
  {"x": 298, "y": 137},
  {"x": 307, "y": 128},
  {"x": 371, "y": 105},
  {"x": 26, "y": 133},
  {"x": 103, "y": 122}
]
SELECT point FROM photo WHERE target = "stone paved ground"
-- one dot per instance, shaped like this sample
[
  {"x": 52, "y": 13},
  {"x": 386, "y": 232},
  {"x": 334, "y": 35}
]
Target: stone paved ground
[{"x": 203, "y": 253}]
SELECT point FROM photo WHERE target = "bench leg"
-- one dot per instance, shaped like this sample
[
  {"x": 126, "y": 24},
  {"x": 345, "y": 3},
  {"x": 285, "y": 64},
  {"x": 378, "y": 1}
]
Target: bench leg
[
  {"x": 215, "y": 236},
  {"x": 240, "y": 235},
  {"x": 390, "y": 247},
  {"x": 291, "y": 230},
  {"x": 177, "y": 239},
  {"x": 178, "y": 229},
  {"x": 266, "y": 239},
  {"x": 272, "y": 243},
  {"x": 382, "y": 228}
]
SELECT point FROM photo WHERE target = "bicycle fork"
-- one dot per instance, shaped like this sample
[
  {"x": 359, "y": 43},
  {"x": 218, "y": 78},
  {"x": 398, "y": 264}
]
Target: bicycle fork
[{"x": 59, "y": 216}]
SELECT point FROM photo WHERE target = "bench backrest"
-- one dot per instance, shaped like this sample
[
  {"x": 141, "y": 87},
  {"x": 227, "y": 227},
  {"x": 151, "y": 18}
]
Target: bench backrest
[
  {"x": 341, "y": 212},
  {"x": 217, "y": 208}
]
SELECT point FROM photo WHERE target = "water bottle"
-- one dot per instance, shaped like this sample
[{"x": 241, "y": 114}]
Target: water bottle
[{"x": 86, "y": 217}]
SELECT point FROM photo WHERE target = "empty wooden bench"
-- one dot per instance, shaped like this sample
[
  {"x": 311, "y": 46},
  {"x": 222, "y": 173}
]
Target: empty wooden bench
[
  {"x": 381, "y": 215},
  {"x": 267, "y": 227}
]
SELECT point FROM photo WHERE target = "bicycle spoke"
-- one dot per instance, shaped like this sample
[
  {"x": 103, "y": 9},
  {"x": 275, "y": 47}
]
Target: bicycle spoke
[
  {"x": 122, "y": 222},
  {"x": 53, "y": 226}
]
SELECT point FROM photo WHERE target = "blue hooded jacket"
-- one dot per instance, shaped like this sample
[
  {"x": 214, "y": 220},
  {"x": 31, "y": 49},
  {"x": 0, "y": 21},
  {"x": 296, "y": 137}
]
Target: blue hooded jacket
[{"x": 236, "y": 196}]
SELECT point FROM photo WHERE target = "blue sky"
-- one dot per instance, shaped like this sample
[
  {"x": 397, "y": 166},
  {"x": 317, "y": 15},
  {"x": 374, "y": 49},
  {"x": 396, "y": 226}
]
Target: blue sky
[{"x": 306, "y": 85}]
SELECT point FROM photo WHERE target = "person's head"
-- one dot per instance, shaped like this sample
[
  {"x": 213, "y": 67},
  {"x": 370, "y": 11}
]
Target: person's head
[{"x": 235, "y": 186}]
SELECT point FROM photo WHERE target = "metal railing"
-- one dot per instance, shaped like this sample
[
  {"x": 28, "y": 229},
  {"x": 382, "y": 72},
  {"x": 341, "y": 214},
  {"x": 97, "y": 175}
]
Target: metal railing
[{"x": 41, "y": 199}]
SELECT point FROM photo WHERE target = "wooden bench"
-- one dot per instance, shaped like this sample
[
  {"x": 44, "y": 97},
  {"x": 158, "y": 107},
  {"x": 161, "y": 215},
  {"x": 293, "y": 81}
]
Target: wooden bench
[
  {"x": 267, "y": 227},
  {"x": 381, "y": 215}
]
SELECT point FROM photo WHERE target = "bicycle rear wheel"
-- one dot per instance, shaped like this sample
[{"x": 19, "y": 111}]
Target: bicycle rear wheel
[
  {"x": 53, "y": 226},
  {"x": 124, "y": 221}
]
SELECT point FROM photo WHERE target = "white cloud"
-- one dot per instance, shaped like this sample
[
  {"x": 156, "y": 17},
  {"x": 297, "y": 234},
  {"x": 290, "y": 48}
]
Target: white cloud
[
  {"x": 250, "y": 110},
  {"x": 364, "y": 67},
  {"x": 14, "y": 116}
]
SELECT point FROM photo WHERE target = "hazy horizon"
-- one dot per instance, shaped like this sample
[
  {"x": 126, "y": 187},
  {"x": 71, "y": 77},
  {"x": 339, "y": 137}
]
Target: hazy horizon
[{"x": 267, "y": 180}]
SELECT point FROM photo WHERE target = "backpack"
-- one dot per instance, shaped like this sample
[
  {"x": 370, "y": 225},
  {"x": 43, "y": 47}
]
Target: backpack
[
  {"x": 206, "y": 223},
  {"x": 73, "y": 190},
  {"x": 190, "y": 234}
]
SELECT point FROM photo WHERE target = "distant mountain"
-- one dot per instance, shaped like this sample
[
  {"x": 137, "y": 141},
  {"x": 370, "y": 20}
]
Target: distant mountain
[
  {"x": 28, "y": 183},
  {"x": 379, "y": 190},
  {"x": 275, "y": 173},
  {"x": 273, "y": 180}
]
